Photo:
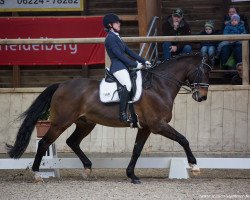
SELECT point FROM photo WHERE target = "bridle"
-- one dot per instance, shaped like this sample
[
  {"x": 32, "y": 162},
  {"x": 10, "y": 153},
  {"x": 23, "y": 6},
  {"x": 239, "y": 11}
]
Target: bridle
[{"x": 199, "y": 70}]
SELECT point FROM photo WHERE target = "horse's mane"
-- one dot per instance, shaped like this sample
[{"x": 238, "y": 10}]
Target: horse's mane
[
  {"x": 168, "y": 63},
  {"x": 179, "y": 57}
]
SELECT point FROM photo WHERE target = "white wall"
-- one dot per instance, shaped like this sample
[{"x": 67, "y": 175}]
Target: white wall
[{"x": 218, "y": 125}]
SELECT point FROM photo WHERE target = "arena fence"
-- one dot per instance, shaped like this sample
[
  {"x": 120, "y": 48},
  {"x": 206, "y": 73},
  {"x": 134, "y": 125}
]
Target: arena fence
[
  {"x": 193, "y": 38},
  {"x": 178, "y": 166}
]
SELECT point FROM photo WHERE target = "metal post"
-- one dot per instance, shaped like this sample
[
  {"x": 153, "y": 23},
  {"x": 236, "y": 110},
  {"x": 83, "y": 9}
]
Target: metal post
[{"x": 245, "y": 62}]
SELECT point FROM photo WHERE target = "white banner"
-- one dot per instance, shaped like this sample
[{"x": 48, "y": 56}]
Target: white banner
[{"x": 40, "y": 5}]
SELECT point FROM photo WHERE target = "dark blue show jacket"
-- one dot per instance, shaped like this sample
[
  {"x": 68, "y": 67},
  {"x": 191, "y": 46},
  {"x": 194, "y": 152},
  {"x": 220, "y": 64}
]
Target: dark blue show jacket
[{"x": 118, "y": 51}]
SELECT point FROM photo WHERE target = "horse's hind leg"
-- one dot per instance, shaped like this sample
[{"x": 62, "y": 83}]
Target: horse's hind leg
[
  {"x": 141, "y": 138},
  {"x": 171, "y": 133},
  {"x": 83, "y": 128},
  {"x": 53, "y": 133}
]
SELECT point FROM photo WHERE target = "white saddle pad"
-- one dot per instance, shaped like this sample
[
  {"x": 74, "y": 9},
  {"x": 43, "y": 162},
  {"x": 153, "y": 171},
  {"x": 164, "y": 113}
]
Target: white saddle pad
[{"x": 108, "y": 91}]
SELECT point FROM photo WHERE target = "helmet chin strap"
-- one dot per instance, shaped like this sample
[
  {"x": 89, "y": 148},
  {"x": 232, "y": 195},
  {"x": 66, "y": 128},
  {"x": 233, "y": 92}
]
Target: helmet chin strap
[
  {"x": 115, "y": 30},
  {"x": 111, "y": 27}
]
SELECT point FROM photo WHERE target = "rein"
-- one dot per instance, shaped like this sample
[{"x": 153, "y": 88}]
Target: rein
[{"x": 173, "y": 80}]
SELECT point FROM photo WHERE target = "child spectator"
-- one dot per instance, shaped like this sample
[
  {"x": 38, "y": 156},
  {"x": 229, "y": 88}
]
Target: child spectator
[
  {"x": 208, "y": 48},
  {"x": 225, "y": 48},
  {"x": 231, "y": 11}
]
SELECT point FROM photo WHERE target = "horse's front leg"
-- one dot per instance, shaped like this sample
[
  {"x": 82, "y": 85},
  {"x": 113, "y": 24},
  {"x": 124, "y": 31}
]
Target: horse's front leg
[
  {"x": 141, "y": 138},
  {"x": 166, "y": 130}
]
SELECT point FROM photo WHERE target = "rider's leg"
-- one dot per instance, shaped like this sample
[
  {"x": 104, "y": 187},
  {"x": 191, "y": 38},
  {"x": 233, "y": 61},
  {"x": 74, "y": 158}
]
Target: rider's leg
[{"x": 123, "y": 77}]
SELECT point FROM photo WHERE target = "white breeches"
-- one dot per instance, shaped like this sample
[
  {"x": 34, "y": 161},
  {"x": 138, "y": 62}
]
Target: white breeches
[{"x": 123, "y": 77}]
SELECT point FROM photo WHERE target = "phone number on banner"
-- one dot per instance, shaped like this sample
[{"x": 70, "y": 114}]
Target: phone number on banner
[{"x": 40, "y": 5}]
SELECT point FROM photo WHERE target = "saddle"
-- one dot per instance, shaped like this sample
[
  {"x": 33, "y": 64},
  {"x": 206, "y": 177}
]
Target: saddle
[{"x": 110, "y": 87}]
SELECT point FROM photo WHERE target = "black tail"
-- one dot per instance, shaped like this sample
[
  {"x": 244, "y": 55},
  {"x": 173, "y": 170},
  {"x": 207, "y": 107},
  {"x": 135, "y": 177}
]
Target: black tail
[{"x": 31, "y": 115}]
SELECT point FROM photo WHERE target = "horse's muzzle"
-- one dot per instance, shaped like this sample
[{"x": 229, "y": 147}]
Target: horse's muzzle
[{"x": 198, "y": 97}]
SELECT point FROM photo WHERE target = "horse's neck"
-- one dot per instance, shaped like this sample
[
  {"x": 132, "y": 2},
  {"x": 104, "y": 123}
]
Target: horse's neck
[
  {"x": 168, "y": 89},
  {"x": 172, "y": 84}
]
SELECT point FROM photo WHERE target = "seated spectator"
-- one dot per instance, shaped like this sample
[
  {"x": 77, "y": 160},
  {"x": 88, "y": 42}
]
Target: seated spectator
[
  {"x": 208, "y": 49},
  {"x": 175, "y": 25},
  {"x": 237, "y": 79},
  {"x": 231, "y": 11},
  {"x": 225, "y": 48}
]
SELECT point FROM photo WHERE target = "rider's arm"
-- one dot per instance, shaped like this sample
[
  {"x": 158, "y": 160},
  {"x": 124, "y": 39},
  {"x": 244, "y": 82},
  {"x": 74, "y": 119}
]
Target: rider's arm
[
  {"x": 119, "y": 54},
  {"x": 134, "y": 55}
]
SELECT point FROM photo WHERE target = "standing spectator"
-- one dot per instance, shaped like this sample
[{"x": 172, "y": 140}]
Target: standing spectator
[
  {"x": 227, "y": 18},
  {"x": 208, "y": 49},
  {"x": 226, "y": 47},
  {"x": 175, "y": 25}
]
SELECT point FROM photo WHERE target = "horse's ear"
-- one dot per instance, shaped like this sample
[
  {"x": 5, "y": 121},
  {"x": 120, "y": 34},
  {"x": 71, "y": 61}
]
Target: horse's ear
[{"x": 208, "y": 60}]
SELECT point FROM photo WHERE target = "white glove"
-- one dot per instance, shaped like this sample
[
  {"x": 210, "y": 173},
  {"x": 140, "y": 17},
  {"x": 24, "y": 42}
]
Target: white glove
[
  {"x": 148, "y": 64},
  {"x": 139, "y": 66}
]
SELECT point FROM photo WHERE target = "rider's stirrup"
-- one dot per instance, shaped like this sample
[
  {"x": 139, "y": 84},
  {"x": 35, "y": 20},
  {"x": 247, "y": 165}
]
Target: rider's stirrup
[
  {"x": 123, "y": 116},
  {"x": 134, "y": 122}
]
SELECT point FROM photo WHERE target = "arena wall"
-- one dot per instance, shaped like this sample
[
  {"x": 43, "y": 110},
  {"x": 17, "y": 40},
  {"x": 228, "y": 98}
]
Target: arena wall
[{"x": 218, "y": 126}]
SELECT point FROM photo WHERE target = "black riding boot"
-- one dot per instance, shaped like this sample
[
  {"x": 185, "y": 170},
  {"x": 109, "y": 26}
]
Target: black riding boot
[
  {"x": 124, "y": 96},
  {"x": 133, "y": 117}
]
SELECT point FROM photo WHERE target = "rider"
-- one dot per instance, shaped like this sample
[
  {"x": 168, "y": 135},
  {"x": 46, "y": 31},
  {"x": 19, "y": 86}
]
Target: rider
[{"x": 120, "y": 62}]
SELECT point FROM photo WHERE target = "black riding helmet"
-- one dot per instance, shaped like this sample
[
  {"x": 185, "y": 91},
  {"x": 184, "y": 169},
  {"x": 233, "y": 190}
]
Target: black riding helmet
[{"x": 109, "y": 19}]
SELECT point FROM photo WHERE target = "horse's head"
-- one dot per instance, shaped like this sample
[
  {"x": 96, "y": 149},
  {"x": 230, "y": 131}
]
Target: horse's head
[
  {"x": 199, "y": 79},
  {"x": 176, "y": 71}
]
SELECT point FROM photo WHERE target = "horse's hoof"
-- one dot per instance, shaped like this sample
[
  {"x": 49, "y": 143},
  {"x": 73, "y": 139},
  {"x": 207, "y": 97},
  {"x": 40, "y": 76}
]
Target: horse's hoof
[
  {"x": 38, "y": 178},
  {"x": 86, "y": 173},
  {"x": 195, "y": 169},
  {"x": 196, "y": 173},
  {"x": 136, "y": 181}
]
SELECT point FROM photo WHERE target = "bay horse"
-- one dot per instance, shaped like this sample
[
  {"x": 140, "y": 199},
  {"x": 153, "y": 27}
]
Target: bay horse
[{"x": 77, "y": 101}]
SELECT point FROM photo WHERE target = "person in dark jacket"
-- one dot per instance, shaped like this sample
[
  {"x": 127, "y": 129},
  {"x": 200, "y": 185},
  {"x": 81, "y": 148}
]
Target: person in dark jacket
[
  {"x": 119, "y": 54},
  {"x": 208, "y": 48},
  {"x": 175, "y": 25}
]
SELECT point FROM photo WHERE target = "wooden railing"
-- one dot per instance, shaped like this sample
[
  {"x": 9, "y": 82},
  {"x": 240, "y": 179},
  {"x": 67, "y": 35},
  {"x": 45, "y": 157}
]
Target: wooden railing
[{"x": 193, "y": 38}]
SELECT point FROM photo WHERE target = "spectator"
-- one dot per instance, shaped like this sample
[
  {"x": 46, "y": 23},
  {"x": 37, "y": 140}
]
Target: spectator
[
  {"x": 227, "y": 18},
  {"x": 237, "y": 79},
  {"x": 208, "y": 49},
  {"x": 175, "y": 25},
  {"x": 225, "y": 48}
]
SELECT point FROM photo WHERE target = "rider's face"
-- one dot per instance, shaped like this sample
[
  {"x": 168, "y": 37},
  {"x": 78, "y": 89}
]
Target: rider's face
[{"x": 116, "y": 26}]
